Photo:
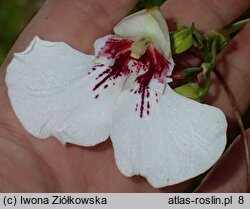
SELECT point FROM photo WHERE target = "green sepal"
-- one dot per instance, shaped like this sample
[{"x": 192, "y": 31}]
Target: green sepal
[
  {"x": 222, "y": 38},
  {"x": 198, "y": 38},
  {"x": 190, "y": 90},
  {"x": 181, "y": 40},
  {"x": 180, "y": 27}
]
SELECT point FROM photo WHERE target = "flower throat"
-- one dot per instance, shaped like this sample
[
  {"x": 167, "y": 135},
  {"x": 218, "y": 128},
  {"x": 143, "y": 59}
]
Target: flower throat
[{"x": 141, "y": 58}]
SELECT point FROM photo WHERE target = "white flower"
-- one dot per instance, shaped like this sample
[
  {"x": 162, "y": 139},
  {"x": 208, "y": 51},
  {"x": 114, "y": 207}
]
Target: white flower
[{"x": 121, "y": 93}]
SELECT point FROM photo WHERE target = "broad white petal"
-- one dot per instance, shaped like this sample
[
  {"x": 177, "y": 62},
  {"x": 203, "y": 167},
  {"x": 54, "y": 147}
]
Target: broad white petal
[
  {"x": 174, "y": 139},
  {"x": 50, "y": 86},
  {"x": 144, "y": 23},
  {"x": 47, "y": 63}
]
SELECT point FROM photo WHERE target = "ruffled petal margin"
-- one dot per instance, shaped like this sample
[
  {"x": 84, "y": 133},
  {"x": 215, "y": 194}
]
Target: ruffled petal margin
[
  {"x": 175, "y": 140},
  {"x": 51, "y": 87}
]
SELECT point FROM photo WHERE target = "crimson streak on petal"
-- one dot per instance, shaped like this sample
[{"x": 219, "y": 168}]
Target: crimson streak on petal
[
  {"x": 157, "y": 68},
  {"x": 119, "y": 50},
  {"x": 120, "y": 68}
]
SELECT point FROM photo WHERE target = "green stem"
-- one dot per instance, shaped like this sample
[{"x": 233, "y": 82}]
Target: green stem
[
  {"x": 214, "y": 51},
  {"x": 240, "y": 123},
  {"x": 203, "y": 91}
]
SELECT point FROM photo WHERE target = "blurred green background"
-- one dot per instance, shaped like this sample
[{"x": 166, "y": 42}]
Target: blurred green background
[{"x": 14, "y": 16}]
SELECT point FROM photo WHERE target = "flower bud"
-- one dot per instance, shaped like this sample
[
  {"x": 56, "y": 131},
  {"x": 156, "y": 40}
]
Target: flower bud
[
  {"x": 182, "y": 40},
  {"x": 222, "y": 38},
  {"x": 186, "y": 73},
  {"x": 198, "y": 38}
]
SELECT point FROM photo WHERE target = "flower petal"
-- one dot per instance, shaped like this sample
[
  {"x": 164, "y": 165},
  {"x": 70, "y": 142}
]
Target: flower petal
[
  {"x": 144, "y": 23},
  {"x": 156, "y": 13},
  {"x": 50, "y": 86},
  {"x": 175, "y": 139},
  {"x": 99, "y": 45}
]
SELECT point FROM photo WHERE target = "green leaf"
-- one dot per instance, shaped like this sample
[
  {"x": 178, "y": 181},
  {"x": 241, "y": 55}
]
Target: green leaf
[
  {"x": 14, "y": 16},
  {"x": 198, "y": 38},
  {"x": 190, "y": 90}
]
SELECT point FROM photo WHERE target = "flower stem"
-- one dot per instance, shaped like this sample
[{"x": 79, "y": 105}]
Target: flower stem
[{"x": 240, "y": 123}]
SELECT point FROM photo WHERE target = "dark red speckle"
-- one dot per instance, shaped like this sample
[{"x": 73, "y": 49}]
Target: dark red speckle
[
  {"x": 120, "y": 68},
  {"x": 103, "y": 73},
  {"x": 136, "y": 107},
  {"x": 156, "y": 94},
  {"x": 148, "y": 105}
]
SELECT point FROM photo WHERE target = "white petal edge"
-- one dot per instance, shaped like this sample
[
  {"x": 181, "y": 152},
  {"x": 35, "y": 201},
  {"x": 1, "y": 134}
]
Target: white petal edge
[
  {"x": 52, "y": 94},
  {"x": 98, "y": 45},
  {"x": 179, "y": 140},
  {"x": 144, "y": 23},
  {"x": 156, "y": 13}
]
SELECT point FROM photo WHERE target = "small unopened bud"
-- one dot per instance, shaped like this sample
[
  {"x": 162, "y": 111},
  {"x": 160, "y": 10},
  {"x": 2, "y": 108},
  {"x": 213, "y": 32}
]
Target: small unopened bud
[
  {"x": 178, "y": 75},
  {"x": 198, "y": 38},
  {"x": 182, "y": 40},
  {"x": 139, "y": 47},
  {"x": 186, "y": 73}
]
